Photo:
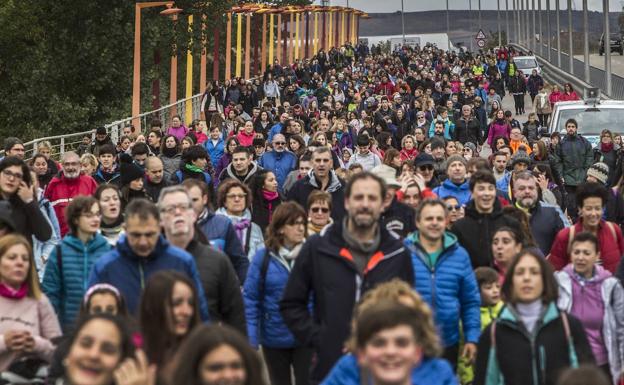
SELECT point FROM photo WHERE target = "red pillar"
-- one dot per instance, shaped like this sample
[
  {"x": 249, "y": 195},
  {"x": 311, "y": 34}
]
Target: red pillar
[{"x": 215, "y": 54}]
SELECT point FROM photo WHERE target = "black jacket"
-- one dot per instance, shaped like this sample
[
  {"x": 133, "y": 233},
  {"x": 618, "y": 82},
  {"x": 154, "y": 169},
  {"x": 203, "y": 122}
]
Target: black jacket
[
  {"x": 225, "y": 302},
  {"x": 399, "y": 218},
  {"x": 29, "y": 220},
  {"x": 475, "y": 231},
  {"x": 153, "y": 189},
  {"x": 545, "y": 223},
  {"x": 301, "y": 190},
  {"x": 468, "y": 131},
  {"x": 333, "y": 281},
  {"x": 536, "y": 360},
  {"x": 260, "y": 210}
]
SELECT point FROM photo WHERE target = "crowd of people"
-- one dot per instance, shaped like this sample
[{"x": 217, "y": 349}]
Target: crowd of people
[{"x": 359, "y": 217}]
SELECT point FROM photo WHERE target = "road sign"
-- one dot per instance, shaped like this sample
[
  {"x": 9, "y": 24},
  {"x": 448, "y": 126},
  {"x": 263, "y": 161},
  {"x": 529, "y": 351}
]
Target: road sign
[
  {"x": 480, "y": 35},
  {"x": 481, "y": 43}
]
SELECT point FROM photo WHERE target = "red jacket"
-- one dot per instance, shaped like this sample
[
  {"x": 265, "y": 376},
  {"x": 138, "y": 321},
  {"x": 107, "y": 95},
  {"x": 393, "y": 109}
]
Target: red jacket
[
  {"x": 609, "y": 238},
  {"x": 61, "y": 191}
]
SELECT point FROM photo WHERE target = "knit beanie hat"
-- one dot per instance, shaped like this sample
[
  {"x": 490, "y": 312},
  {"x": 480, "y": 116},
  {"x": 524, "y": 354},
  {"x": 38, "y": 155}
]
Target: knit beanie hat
[
  {"x": 129, "y": 170},
  {"x": 600, "y": 171},
  {"x": 520, "y": 157},
  {"x": 456, "y": 158}
]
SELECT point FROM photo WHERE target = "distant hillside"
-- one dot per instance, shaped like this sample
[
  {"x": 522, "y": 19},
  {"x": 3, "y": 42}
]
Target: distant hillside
[{"x": 462, "y": 26}]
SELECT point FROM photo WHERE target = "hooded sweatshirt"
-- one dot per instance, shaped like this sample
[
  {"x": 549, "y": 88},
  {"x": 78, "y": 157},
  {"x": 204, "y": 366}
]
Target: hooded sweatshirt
[{"x": 588, "y": 306}]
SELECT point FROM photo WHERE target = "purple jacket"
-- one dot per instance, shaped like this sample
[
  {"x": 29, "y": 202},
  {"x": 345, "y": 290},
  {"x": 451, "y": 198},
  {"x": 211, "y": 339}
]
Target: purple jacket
[
  {"x": 498, "y": 128},
  {"x": 346, "y": 140},
  {"x": 179, "y": 132},
  {"x": 222, "y": 165}
]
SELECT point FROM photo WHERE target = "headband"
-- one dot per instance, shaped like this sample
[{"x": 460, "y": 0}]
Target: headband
[{"x": 101, "y": 286}]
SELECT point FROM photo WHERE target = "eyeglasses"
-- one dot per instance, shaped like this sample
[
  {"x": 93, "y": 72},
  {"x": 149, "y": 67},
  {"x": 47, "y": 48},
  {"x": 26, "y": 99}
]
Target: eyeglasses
[
  {"x": 236, "y": 196},
  {"x": 427, "y": 167},
  {"x": 171, "y": 209},
  {"x": 317, "y": 210},
  {"x": 10, "y": 174},
  {"x": 299, "y": 222},
  {"x": 453, "y": 207},
  {"x": 279, "y": 143}
]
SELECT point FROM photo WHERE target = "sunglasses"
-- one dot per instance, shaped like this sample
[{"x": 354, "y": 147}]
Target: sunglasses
[
  {"x": 453, "y": 207},
  {"x": 317, "y": 210},
  {"x": 425, "y": 168}
]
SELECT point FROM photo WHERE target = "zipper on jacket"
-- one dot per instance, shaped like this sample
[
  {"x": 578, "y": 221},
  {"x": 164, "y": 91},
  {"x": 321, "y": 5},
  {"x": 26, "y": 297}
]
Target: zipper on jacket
[
  {"x": 141, "y": 275},
  {"x": 542, "y": 356}
]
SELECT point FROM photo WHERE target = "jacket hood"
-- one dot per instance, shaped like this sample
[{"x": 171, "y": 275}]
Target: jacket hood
[
  {"x": 453, "y": 187},
  {"x": 600, "y": 274},
  {"x": 450, "y": 240},
  {"x": 253, "y": 167},
  {"x": 334, "y": 183},
  {"x": 94, "y": 243},
  {"x": 235, "y": 219},
  {"x": 549, "y": 313},
  {"x": 125, "y": 251}
]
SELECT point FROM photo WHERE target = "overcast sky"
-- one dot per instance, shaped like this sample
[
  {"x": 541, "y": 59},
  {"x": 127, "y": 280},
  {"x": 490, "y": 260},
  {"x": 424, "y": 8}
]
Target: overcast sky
[{"x": 428, "y": 5}]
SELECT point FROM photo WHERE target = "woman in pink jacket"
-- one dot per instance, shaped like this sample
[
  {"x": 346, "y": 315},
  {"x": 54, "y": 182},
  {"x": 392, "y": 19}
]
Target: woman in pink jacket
[
  {"x": 28, "y": 323},
  {"x": 555, "y": 96},
  {"x": 498, "y": 127}
]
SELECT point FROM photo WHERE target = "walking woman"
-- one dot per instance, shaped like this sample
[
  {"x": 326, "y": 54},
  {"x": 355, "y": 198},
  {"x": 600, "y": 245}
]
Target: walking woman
[
  {"x": 590, "y": 293},
  {"x": 265, "y": 198},
  {"x": 28, "y": 323},
  {"x": 544, "y": 340},
  {"x": 169, "y": 311},
  {"x": 265, "y": 283},
  {"x": 216, "y": 355}
]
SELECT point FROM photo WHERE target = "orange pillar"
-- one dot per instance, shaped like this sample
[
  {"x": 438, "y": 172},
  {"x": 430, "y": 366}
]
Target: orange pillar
[
  {"x": 264, "y": 44},
  {"x": 173, "y": 79},
  {"x": 291, "y": 39},
  {"x": 247, "y": 45},
  {"x": 228, "y": 47}
]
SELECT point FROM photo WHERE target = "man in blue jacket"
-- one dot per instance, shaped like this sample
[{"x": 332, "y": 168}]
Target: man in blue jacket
[
  {"x": 443, "y": 276},
  {"x": 280, "y": 161},
  {"x": 140, "y": 253}
]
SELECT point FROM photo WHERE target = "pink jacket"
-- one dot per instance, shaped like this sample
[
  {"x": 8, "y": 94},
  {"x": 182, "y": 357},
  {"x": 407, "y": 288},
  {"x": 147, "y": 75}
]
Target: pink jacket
[
  {"x": 35, "y": 316},
  {"x": 498, "y": 129}
]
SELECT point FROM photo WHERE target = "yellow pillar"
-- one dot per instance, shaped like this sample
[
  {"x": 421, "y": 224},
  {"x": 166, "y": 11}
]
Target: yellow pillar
[
  {"x": 290, "y": 38},
  {"x": 353, "y": 40},
  {"x": 280, "y": 42},
  {"x": 239, "y": 44},
  {"x": 188, "y": 116},
  {"x": 271, "y": 42},
  {"x": 342, "y": 27},
  {"x": 315, "y": 33},
  {"x": 297, "y": 42}
]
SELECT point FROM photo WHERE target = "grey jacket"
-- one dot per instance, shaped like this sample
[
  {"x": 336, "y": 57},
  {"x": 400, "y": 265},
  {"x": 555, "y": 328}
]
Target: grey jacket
[{"x": 613, "y": 320}]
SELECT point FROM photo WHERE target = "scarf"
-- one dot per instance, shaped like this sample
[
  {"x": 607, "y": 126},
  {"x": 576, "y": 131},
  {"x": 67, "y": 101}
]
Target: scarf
[
  {"x": 192, "y": 168},
  {"x": 169, "y": 152},
  {"x": 240, "y": 227},
  {"x": 270, "y": 196},
  {"x": 606, "y": 147},
  {"x": 8, "y": 292}
]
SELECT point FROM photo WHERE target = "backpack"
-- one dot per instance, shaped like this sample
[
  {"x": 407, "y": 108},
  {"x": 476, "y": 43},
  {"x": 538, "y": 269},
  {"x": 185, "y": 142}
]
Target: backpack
[{"x": 573, "y": 230}]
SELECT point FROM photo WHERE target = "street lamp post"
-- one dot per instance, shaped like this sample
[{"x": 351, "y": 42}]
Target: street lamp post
[{"x": 136, "y": 76}]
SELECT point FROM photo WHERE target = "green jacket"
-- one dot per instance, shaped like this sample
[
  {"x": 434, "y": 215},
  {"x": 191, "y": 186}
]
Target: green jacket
[{"x": 572, "y": 158}]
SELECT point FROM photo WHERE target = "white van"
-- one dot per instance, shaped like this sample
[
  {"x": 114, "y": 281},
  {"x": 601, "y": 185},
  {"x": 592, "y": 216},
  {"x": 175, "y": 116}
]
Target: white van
[{"x": 527, "y": 64}]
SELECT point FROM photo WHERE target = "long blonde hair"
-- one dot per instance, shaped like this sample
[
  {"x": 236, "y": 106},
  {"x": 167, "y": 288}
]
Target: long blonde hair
[
  {"x": 10, "y": 240},
  {"x": 398, "y": 291}
]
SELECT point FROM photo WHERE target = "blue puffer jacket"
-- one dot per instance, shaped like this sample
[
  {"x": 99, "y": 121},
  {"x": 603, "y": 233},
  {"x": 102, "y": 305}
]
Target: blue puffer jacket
[
  {"x": 431, "y": 371},
  {"x": 449, "y": 287},
  {"x": 265, "y": 324},
  {"x": 215, "y": 152},
  {"x": 222, "y": 236},
  {"x": 281, "y": 163},
  {"x": 66, "y": 288},
  {"x": 448, "y": 188},
  {"x": 128, "y": 272}
]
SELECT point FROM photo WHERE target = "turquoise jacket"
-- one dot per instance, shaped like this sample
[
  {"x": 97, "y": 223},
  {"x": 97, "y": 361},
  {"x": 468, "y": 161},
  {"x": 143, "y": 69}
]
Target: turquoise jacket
[{"x": 66, "y": 283}]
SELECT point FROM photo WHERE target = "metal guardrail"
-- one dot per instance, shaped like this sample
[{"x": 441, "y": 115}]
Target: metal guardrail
[
  {"x": 70, "y": 142},
  {"x": 597, "y": 78}
]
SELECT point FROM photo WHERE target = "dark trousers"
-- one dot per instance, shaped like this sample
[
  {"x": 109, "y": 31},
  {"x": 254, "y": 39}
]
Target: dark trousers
[
  {"x": 519, "y": 103},
  {"x": 543, "y": 119},
  {"x": 280, "y": 361},
  {"x": 451, "y": 354},
  {"x": 570, "y": 202}
]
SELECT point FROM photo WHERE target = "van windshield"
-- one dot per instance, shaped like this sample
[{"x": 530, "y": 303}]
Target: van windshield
[
  {"x": 525, "y": 63},
  {"x": 593, "y": 121}
]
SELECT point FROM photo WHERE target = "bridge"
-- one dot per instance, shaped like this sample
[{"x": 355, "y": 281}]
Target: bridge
[{"x": 293, "y": 33}]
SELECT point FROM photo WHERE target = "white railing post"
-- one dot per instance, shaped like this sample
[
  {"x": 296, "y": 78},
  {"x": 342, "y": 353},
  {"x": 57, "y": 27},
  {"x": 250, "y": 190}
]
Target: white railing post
[{"x": 62, "y": 145}]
